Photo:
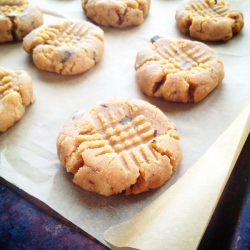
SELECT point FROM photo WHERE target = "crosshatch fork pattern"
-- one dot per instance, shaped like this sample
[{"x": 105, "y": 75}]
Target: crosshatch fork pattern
[
  {"x": 9, "y": 6},
  {"x": 6, "y": 84},
  {"x": 68, "y": 33},
  {"x": 179, "y": 58},
  {"x": 204, "y": 9},
  {"x": 127, "y": 137},
  {"x": 119, "y": 134}
]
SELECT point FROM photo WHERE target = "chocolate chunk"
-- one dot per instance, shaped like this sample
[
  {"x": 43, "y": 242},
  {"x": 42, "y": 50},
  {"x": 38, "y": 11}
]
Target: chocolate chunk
[
  {"x": 155, "y": 132},
  {"x": 125, "y": 120},
  {"x": 154, "y": 39},
  {"x": 67, "y": 54}
]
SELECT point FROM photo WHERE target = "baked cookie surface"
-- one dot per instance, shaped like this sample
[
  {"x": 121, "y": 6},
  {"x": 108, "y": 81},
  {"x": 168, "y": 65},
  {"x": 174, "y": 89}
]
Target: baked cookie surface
[
  {"x": 119, "y": 146},
  {"x": 16, "y": 93},
  {"x": 209, "y": 20},
  {"x": 116, "y": 13},
  {"x": 17, "y": 19},
  {"x": 178, "y": 70},
  {"x": 65, "y": 47}
]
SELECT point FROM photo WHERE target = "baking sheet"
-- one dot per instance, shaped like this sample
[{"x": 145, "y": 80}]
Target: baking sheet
[{"x": 28, "y": 150}]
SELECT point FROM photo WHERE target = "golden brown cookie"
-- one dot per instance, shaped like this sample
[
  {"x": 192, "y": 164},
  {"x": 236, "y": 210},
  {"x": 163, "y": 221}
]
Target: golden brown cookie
[
  {"x": 119, "y": 146},
  {"x": 16, "y": 93},
  {"x": 116, "y": 13},
  {"x": 209, "y": 20},
  {"x": 65, "y": 47},
  {"x": 178, "y": 70},
  {"x": 17, "y": 19}
]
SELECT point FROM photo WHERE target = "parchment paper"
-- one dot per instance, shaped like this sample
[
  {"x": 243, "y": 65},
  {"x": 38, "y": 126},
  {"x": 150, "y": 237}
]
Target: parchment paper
[{"x": 28, "y": 150}]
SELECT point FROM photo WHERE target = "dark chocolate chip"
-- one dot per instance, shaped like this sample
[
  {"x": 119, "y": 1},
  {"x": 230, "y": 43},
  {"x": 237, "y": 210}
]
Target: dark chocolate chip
[
  {"x": 154, "y": 39},
  {"x": 14, "y": 28},
  {"x": 67, "y": 54},
  {"x": 125, "y": 120},
  {"x": 157, "y": 85},
  {"x": 155, "y": 132}
]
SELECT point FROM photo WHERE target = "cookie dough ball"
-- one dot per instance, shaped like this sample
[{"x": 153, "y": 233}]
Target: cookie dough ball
[
  {"x": 116, "y": 13},
  {"x": 209, "y": 20},
  {"x": 65, "y": 47},
  {"x": 119, "y": 146},
  {"x": 178, "y": 70},
  {"x": 16, "y": 93},
  {"x": 17, "y": 19}
]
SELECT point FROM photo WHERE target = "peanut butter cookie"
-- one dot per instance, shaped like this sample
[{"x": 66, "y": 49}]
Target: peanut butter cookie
[
  {"x": 116, "y": 13},
  {"x": 119, "y": 146},
  {"x": 178, "y": 71},
  {"x": 17, "y": 19},
  {"x": 209, "y": 20},
  {"x": 65, "y": 47},
  {"x": 16, "y": 93}
]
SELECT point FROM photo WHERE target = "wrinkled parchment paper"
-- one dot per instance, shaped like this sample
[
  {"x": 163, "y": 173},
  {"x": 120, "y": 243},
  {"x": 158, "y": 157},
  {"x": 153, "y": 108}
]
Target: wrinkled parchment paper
[{"x": 28, "y": 150}]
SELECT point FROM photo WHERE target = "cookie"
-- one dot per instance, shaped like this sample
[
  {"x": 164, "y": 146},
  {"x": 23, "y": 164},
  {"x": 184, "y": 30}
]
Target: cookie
[
  {"x": 17, "y": 19},
  {"x": 116, "y": 13},
  {"x": 177, "y": 70},
  {"x": 65, "y": 47},
  {"x": 209, "y": 20},
  {"x": 16, "y": 93},
  {"x": 119, "y": 146}
]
